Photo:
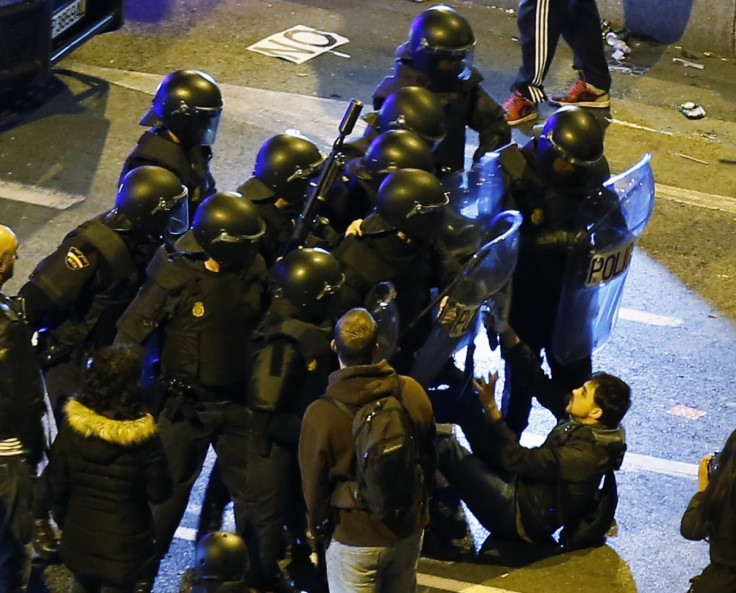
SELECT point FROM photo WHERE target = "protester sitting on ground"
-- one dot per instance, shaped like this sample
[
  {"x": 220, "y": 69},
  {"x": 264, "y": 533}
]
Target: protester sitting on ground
[
  {"x": 527, "y": 494},
  {"x": 711, "y": 515},
  {"x": 107, "y": 465}
]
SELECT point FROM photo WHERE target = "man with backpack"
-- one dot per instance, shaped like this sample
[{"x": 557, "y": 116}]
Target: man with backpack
[
  {"x": 525, "y": 494},
  {"x": 367, "y": 456}
]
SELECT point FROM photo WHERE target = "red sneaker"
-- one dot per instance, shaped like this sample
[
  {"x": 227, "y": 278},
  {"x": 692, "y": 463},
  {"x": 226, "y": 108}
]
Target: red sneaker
[
  {"x": 583, "y": 94},
  {"x": 519, "y": 109}
]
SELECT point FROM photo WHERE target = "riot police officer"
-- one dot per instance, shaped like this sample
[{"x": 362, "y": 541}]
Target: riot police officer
[
  {"x": 355, "y": 195},
  {"x": 438, "y": 57},
  {"x": 284, "y": 167},
  {"x": 76, "y": 294},
  {"x": 397, "y": 242},
  {"x": 207, "y": 298},
  {"x": 291, "y": 363},
  {"x": 22, "y": 439},
  {"x": 183, "y": 122},
  {"x": 550, "y": 181}
]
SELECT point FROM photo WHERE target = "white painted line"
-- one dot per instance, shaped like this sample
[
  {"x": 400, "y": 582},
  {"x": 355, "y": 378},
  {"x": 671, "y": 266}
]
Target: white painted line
[
  {"x": 40, "y": 196},
  {"x": 677, "y": 469},
  {"x": 444, "y": 584},
  {"x": 648, "y": 318},
  {"x": 695, "y": 198},
  {"x": 185, "y": 533},
  {"x": 629, "y": 124}
]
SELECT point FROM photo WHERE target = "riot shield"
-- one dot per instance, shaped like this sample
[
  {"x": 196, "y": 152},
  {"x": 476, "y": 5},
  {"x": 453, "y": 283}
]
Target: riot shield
[
  {"x": 486, "y": 272},
  {"x": 475, "y": 198},
  {"x": 608, "y": 225},
  {"x": 381, "y": 304}
]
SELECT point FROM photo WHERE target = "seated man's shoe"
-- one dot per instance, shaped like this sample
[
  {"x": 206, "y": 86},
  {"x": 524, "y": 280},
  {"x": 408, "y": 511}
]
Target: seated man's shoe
[
  {"x": 45, "y": 541},
  {"x": 437, "y": 547}
]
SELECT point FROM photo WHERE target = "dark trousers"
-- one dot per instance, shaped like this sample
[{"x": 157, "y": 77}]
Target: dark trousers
[
  {"x": 268, "y": 478},
  {"x": 186, "y": 439},
  {"x": 16, "y": 495},
  {"x": 541, "y": 23},
  {"x": 490, "y": 498}
]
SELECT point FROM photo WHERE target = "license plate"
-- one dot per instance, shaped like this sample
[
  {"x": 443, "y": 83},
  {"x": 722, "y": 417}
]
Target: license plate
[{"x": 67, "y": 16}]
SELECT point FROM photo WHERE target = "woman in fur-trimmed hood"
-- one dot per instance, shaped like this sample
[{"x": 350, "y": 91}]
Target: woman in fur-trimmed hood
[{"x": 107, "y": 466}]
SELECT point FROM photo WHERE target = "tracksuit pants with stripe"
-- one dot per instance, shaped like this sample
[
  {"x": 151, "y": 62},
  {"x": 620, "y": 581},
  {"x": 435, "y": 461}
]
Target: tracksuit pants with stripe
[{"x": 541, "y": 22}]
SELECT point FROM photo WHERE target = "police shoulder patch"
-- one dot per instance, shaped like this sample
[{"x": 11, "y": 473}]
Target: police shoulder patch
[{"x": 75, "y": 259}]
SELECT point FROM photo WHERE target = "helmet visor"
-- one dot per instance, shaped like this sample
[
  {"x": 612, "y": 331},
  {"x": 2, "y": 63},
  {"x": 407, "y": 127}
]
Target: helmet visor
[
  {"x": 208, "y": 122},
  {"x": 419, "y": 209}
]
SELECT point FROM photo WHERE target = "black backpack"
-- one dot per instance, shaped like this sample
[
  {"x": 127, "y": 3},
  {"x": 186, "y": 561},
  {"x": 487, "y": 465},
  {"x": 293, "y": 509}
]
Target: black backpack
[
  {"x": 389, "y": 480},
  {"x": 591, "y": 529}
]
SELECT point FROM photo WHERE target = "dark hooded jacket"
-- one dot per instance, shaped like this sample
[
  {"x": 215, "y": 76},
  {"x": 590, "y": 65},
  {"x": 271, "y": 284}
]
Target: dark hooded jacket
[
  {"x": 104, "y": 474},
  {"x": 720, "y": 574},
  {"x": 327, "y": 452},
  {"x": 467, "y": 105}
]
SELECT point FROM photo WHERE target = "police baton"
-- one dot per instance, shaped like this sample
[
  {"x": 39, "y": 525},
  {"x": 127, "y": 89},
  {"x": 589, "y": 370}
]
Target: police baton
[{"x": 330, "y": 172}]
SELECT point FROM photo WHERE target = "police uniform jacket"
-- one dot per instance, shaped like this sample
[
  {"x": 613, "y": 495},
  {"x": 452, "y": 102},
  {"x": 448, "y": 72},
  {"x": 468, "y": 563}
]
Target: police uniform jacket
[
  {"x": 381, "y": 256},
  {"x": 190, "y": 164},
  {"x": 82, "y": 288},
  {"x": 467, "y": 105},
  {"x": 21, "y": 383},
  {"x": 720, "y": 575},
  {"x": 327, "y": 452},
  {"x": 104, "y": 474},
  {"x": 291, "y": 363},
  {"x": 206, "y": 318}
]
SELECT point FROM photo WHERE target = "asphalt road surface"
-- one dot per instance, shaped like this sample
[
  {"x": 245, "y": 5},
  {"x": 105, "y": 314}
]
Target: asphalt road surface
[{"x": 59, "y": 164}]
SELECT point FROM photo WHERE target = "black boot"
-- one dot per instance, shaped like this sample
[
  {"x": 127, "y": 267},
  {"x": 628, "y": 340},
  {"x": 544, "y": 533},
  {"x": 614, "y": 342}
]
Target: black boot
[{"x": 45, "y": 542}]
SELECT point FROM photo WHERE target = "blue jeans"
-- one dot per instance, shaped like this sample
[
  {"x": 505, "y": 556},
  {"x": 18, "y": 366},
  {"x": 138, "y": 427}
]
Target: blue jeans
[
  {"x": 16, "y": 495},
  {"x": 356, "y": 569}
]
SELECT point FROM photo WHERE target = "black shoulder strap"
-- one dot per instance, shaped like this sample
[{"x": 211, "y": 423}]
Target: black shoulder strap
[{"x": 110, "y": 245}]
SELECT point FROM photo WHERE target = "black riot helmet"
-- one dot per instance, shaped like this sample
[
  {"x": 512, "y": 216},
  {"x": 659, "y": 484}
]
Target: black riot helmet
[
  {"x": 285, "y": 163},
  {"x": 226, "y": 227},
  {"x": 569, "y": 146},
  {"x": 221, "y": 556},
  {"x": 189, "y": 104},
  {"x": 413, "y": 202},
  {"x": 394, "y": 150},
  {"x": 441, "y": 43},
  {"x": 309, "y": 279},
  {"x": 416, "y": 109},
  {"x": 147, "y": 196}
]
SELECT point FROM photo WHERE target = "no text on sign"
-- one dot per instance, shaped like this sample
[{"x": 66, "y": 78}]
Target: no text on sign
[{"x": 298, "y": 44}]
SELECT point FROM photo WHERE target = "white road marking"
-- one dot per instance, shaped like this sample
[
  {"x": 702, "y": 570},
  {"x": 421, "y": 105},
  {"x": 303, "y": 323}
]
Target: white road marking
[
  {"x": 40, "y": 196},
  {"x": 445, "y": 584},
  {"x": 695, "y": 198},
  {"x": 648, "y": 318}
]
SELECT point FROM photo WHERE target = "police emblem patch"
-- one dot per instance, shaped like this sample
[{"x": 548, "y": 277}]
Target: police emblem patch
[
  {"x": 75, "y": 259},
  {"x": 198, "y": 309},
  {"x": 312, "y": 365},
  {"x": 537, "y": 216}
]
